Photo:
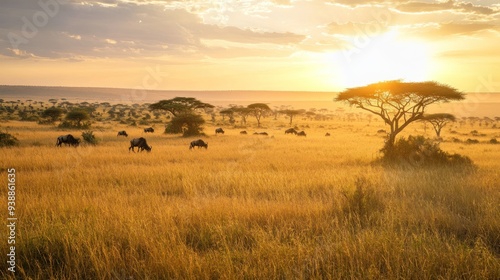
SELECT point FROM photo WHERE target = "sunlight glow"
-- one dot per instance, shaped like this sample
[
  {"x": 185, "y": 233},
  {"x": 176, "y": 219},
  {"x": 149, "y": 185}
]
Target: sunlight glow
[{"x": 383, "y": 58}]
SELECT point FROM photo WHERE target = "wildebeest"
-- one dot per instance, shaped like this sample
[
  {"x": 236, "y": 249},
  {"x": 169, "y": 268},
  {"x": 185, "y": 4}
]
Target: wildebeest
[
  {"x": 327, "y": 134},
  {"x": 260, "y": 133},
  {"x": 219, "y": 130},
  {"x": 149, "y": 129},
  {"x": 243, "y": 132},
  {"x": 122, "y": 133},
  {"x": 291, "y": 130},
  {"x": 140, "y": 143},
  {"x": 198, "y": 143},
  {"x": 67, "y": 140},
  {"x": 302, "y": 133}
]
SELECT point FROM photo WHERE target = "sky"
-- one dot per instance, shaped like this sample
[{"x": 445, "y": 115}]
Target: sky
[{"x": 291, "y": 45}]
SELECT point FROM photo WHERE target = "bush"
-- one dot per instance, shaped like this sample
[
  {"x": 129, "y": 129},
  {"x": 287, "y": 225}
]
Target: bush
[
  {"x": 89, "y": 137},
  {"x": 144, "y": 122},
  {"x": 7, "y": 140},
  {"x": 420, "y": 151},
  {"x": 187, "y": 124},
  {"x": 362, "y": 206},
  {"x": 68, "y": 124},
  {"x": 494, "y": 141},
  {"x": 472, "y": 141}
]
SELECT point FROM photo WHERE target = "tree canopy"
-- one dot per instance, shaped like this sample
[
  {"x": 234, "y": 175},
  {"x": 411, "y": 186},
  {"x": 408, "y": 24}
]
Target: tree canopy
[
  {"x": 290, "y": 113},
  {"x": 179, "y": 105},
  {"x": 52, "y": 113},
  {"x": 259, "y": 110},
  {"x": 242, "y": 112},
  {"x": 184, "y": 120},
  {"x": 398, "y": 103},
  {"x": 438, "y": 121},
  {"x": 77, "y": 116}
]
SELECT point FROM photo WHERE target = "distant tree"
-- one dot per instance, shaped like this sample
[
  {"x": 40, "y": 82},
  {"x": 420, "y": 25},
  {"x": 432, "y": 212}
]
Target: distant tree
[
  {"x": 398, "y": 103},
  {"x": 242, "y": 112},
  {"x": 290, "y": 113},
  {"x": 53, "y": 114},
  {"x": 226, "y": 112},
  {"x": 180, "y": 105},
  {"x": 53, "y": 101},
  {"x": 259, "y": 110},
  {"x": 77, "y": 116},
  {"x": 310, "y": 114},
  {"x": 438, "y": 121},
  {"x": 183, "y": 109}
]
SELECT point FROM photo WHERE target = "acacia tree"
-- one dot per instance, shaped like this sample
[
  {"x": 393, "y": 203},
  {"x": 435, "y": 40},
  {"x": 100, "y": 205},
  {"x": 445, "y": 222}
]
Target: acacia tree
[
  {"x": 290, "y": 113},
  {"x": 227, "y": 112},
  {"x": 77, "y": 116},
  {"x": 398, "y": 103},
  {"x": 180, "y": 105},
  {"x": 242, "y": 112},
  {"x": 183, "y": 110},
  {"x": 52, "y": 113},
  {"x": 259, "y": 110},
  {"x": 438, "y": 121}
]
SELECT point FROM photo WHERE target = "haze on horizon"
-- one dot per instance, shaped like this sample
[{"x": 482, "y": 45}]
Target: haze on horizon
[{"x": 248, "y": 44}]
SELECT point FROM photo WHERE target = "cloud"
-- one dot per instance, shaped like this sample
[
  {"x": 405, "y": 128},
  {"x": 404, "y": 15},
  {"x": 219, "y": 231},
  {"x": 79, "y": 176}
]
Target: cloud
[
  {"x": 235, "y": 34},
  {"x": 117, "y": 29},
  {"x": 464, "y": 7},
  {"x": 448, "y": 29},
  {"x": 445, "y": 30},
  {"x": 356, "y": 3},
  {"x": 354, "y": 28}
]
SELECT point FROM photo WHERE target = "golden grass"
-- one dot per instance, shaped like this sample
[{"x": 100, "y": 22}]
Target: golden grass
[{"x": 249, "y": 207}]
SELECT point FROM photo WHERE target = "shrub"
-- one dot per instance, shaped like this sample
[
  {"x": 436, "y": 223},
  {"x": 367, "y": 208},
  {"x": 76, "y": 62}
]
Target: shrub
[
  {"x": 494, "y": 141},
  {"x": 7, "y": 140},
  {"x": 188, "y": 124},
  {"x": 68, "y": 124},
  {"x": 363, "y": 204},
  {"x": 89, "y": 137},
  {"x": 420, "y": 151},
  {"x": 472, "y": 141}
]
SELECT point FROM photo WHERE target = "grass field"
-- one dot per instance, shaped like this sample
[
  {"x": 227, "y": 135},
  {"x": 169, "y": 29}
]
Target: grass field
[{"x": 249, "y": 207}]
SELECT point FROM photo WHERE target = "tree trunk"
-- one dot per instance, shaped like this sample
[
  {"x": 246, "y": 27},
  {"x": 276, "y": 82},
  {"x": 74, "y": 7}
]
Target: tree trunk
[{"x": 390, "y": 141}]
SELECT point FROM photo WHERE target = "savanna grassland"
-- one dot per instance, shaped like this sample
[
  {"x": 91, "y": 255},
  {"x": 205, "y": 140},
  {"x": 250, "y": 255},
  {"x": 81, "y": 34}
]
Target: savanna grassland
[{"x": 250, "y": 207}]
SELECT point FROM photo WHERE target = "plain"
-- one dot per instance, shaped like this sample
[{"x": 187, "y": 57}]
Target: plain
[{"x": 251, "y": 207}]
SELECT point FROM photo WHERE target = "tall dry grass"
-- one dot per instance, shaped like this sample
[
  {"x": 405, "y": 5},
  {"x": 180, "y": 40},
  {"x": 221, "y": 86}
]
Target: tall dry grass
[{"x": 249, "y": 207}]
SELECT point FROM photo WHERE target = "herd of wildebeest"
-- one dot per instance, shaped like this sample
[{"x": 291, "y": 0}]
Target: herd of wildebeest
[{"x": 141, "y": 142}]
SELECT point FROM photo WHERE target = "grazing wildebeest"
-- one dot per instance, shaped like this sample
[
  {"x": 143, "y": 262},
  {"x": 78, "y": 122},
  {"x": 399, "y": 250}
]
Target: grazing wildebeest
[
  {"x": 243, "y": 132},
  {"x": 291, "y": 130},
  {"x": 219, "y": 130},
  {"x": 149, "y": 129},
  {"x": 141, "y": 145},
  {"x": 67, "y": 140},
  {"x": 198, "y": 143},
  {"x": 122, "y": 133},
  {"x": 302, "y": 133},
  {"x": 327, "y": 134}
]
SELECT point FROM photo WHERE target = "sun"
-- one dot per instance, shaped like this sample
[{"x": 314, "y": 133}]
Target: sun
[{"x": 382, "y": 58}]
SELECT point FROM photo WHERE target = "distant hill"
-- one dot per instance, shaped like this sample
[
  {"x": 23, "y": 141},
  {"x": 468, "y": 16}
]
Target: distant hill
[
  {"x": 476, "y": 104},
  {"x": 117, "y": 95}
]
